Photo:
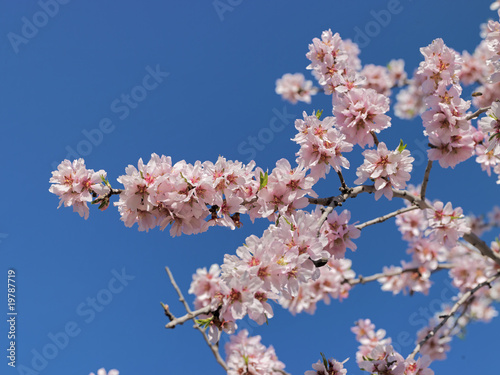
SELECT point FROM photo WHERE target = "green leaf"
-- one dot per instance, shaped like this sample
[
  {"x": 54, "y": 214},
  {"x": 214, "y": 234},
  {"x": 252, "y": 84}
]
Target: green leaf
[
  {"x": 401, "y": 146},
  {"x": 325, "y": 362},
  {"x": 288, "y": 222},
  {"x": 204, "y": 323},
  {"x": 263, "y": 180},
  {"x": 496, "y": 135},
  {"x": 318, "y": 114}
]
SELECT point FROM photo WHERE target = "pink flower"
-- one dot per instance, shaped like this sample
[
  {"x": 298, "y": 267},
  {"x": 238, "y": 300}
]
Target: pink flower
[
  {"x": 377, "y": 78},
  {"x": 446, "y": 224},
  {"x": 206, "y": 286},
  {"x": 339, "y": 233},
  {"x": 388, "y": 169},
  {"x": 383, "y": 360},
  {"x": 333, "y": 367},
  {"x": 410, "y": 100},
  {"x": 418, "y": 367},
  {"x": 436, "y": 346},
  {"x": 75, "y": 185},
  {"x": 294, "y": 88},
  {"x": 359, "y": 112},
  {"x": 246, "y": 355},
  {"x": 440, "y": 67},
  {"x": 397, "y": 73},
  {"x": 321, "y": 146},
  {"x": 450, "y": 151}
]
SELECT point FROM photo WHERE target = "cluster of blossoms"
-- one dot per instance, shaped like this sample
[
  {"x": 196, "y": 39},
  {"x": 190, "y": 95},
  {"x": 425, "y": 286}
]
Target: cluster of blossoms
[
  {"x": 359, "y": 97},
  {"x": 333, "y": 61},
  {"x": 359, "y": 113},
  {"x": 327, "y": 367},
  {"x": 493, "y": 43},
  {"x": 246, "y": 355},
  {"x": 331, "y": 283},
  {"x": 388, "y": 169},
  {"x": 190, "y": 198},
  {"x": 450, "y": 133},
  {"x": 295, "y": 88},
  {"x": 75, "y": 185},
  {"x": 377, "y": 356},
  {"x": 278, "y": 266},
  {"x": 446, "y": 225},
  {"x": 321, "y": 145},
  {"x": 488, "y": 148}
]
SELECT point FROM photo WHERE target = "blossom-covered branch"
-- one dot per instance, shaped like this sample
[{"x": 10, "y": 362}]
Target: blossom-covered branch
[
  {"x": 463, "y": 299},
  {"x": 213, "y": 347}
]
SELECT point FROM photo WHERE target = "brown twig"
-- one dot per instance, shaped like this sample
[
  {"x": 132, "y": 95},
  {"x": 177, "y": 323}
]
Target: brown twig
[
  {"x": 344, "y": 187},
  {"x": 377, "y": 276},
  {"x": 452, "y": 312},
  {"x": 381, "y": 219},
  {"x": 189, "y": 316},
  {"x": 477, "y": 113},
  {"x": 213, "y": 347},
  {"x": 423, "y": 189}
]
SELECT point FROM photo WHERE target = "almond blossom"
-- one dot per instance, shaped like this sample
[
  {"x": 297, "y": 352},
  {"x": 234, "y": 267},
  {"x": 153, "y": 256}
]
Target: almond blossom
[
  {"x": 446, "y": 225},
  {"x": 294, "y": 88},
  {"x": 75, "y": 185},
  {"x": 247, "y": 355},
  {"x": 389, "y": 169},
  {"x": 359, "y": 112},
  {"x": 321, "y": 146}
]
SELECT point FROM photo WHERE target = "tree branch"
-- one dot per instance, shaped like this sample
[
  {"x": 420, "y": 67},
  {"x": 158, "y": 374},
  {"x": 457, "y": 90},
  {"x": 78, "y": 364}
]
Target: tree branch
[
  {"x": 213, "y": 347},
  {"x": 381, "y": 219},
  {"x": 477, "y": 113},
  {"x": 452, "y": 312},
  {"x": 425, "y": 180},
  {"x": 377, "y": 276},
  {"x": 335, "y": 201}
]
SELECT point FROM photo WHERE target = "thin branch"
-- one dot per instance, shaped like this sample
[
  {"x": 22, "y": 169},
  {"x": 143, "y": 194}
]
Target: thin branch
[
  {"x": 452, "y": 312},
  {"x": 213, "y": 347},
  {"x": 477, "y": 113},
  {"x": 381, "y": 219},
  {"x": 189, "y": 316},
  {"x": 425, "y": 180},
  {"x": 377, "y": 276},
  {"x": 375, "y": 139},
  {"x": 342, "y": 182},
  {"x": 479, "y": 244},
  {"x": 471, "y": 238}
]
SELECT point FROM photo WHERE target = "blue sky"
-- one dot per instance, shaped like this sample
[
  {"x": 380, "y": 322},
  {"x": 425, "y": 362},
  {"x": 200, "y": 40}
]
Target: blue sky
[{"x": 214, "y": 74}]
